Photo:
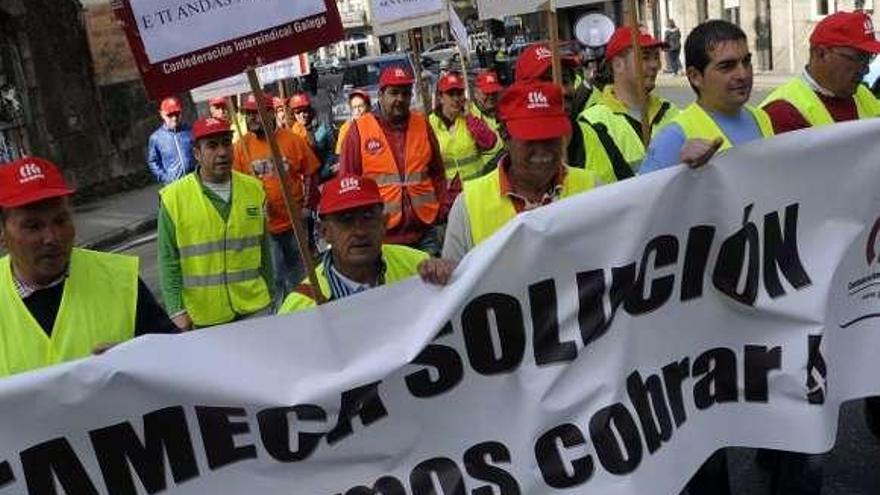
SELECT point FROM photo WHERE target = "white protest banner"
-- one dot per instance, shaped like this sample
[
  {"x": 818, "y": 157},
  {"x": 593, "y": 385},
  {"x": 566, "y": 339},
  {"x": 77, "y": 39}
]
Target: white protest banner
[
  {"x": 605, "y": 344},
  {"x": 459, "y": 31},
  {"x": 393, "y": 16},
  {"x": 181, "y": 44},
  {"x": 284, "y": 69}
]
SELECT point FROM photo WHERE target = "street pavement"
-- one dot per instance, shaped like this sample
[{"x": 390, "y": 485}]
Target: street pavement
[{"x": 849, "y": 467}]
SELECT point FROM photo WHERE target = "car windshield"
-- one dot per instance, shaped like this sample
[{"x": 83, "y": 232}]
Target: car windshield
[{"x": 361, "y": 75}]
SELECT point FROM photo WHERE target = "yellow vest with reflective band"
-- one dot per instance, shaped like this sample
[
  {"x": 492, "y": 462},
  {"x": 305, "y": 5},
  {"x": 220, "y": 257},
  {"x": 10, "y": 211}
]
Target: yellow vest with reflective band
[
  {"x": 457, "y": 147},
  {"x": 220, "y": 261},
  {"x": 804, "y": 99},
  {"x": 612, "y": 138},
  {"x": 488, "y": 209},
  {"x": 98, "y": 306},
  {"x": 697, "y": 124},
  {"x": 400, "y": 262}
]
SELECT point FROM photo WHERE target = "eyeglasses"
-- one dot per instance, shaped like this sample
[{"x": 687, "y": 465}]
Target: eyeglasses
[{"x": 861, "y": 58}]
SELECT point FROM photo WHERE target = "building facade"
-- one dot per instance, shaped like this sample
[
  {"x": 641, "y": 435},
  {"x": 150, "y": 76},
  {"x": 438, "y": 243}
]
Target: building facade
[
  {"x": 778, "y": 30},
  {"x": 50, "y": 104}
]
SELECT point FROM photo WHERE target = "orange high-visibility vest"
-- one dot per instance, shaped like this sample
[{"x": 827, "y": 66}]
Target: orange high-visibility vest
[{"x": 378, "y": 163}]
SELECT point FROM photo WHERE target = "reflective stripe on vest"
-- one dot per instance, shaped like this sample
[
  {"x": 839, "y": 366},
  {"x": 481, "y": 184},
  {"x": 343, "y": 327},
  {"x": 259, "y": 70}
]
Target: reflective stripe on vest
[
  {"x": 401, "y": 262},
  {"x": 697, "y": 124},
  {"x": 378, "y": 163},
  {"x": 810, "y": 106},
  {"x": 220, "y": 261},
  {"x": 488, "y": 210},
  {"x": 98, "y": 306}
]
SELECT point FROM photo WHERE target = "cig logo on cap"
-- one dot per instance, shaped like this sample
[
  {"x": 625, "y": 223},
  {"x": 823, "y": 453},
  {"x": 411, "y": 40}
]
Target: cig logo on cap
[{"x": 30, "y": 171}]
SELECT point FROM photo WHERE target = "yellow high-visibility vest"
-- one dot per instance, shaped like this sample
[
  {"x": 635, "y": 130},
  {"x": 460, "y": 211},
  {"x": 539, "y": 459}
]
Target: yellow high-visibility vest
[
  {"x": 400, "y": 262},
  {"x": 613, "y": 139},
  {"x": 804, "y": 99},
  {"x": 457, "y": 147},
  {"x": 98, "y": 306},
  {"x": 488, "y": 209},
  {"x": 697, "y": 124},
  {"x": 220, "y": 261}
]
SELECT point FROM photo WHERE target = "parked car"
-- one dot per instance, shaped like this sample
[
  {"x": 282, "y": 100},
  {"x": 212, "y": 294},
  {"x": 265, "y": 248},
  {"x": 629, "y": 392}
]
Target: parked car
[
  {"x": 439, "y": 52},
  {"x": 363, "y": 74},
  {"x": 323, "y": 65}
]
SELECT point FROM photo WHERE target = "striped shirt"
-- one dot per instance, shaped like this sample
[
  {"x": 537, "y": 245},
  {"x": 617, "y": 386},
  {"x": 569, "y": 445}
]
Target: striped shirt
[{"x": 342, "y": 286}]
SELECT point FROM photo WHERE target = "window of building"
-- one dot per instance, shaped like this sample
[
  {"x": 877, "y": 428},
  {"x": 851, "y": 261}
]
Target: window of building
[
  {"x": 702, "y": 10},
  {"x": 821, "y": 8}
]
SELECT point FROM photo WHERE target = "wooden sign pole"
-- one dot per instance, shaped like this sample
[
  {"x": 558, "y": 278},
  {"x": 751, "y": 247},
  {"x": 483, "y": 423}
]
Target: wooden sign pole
[
  {"x": 464, "y": 74},
  {"x": 553, "y": 30},
  {"x": 417, "y": 65},
  {"x": 293, "y": 209}
]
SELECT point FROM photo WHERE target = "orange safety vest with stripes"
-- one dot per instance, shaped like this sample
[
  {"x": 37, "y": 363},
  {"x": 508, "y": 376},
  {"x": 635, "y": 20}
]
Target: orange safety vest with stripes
[{"x": 379, "y": 164}]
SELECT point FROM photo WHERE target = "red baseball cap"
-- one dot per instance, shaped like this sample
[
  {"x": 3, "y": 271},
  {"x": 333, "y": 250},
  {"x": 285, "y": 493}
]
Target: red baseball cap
[
  {"x": 534, "y": 62},
  {"x": 852, "y": 29},
  {"x": 487, "y": 82},
  {"x": 170, "y": 105},
  {"x": 395, "y": 75},
  {"x": 299, "y": 100},
  {"x": 29, "y": 180},
  {"x": 450, "y": 80},
  {"x": 622, "y": 39},
  {"x": 277, "y": 102},
  {"x": 219, "y": 101},
  {"x": 534, "y": 110},
  {"x": 250, "y": 102},
  {"x": 209, "y": 126},
  {"x": 347, "y": 192}
]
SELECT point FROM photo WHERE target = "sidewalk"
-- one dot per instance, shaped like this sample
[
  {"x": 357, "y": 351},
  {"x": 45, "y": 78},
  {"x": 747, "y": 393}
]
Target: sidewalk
[
  {"x": 764, "y": 80},
  {"x": 109, "y": 222}
]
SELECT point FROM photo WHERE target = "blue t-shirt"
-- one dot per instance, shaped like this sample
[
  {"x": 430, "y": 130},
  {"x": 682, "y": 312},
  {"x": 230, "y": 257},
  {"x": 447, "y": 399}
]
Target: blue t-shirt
[{"x": 666, "y": 145}]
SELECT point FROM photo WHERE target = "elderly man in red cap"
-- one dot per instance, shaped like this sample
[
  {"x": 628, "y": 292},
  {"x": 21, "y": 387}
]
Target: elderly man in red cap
[
  {"x": 57, "y": 302},
  {"x": 829, "y": 88},
  {"x": 352, "y": 223},
  {"x": 532, "y": 174},
  {"x": 253, "y": 156},
  {"x": 169, "y": 149},
  {"x": 214, "y": 262},
  {"x": 397, "y": 148},
  {"x": 611, "y": 129},
  {"x": 463, "y": 138}
]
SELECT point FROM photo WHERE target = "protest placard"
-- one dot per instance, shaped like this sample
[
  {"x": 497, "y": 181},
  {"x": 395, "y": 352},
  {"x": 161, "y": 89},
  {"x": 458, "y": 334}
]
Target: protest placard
[
  {"x": 392, "y": 16},
  {"x": 182, "y": 44}
]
